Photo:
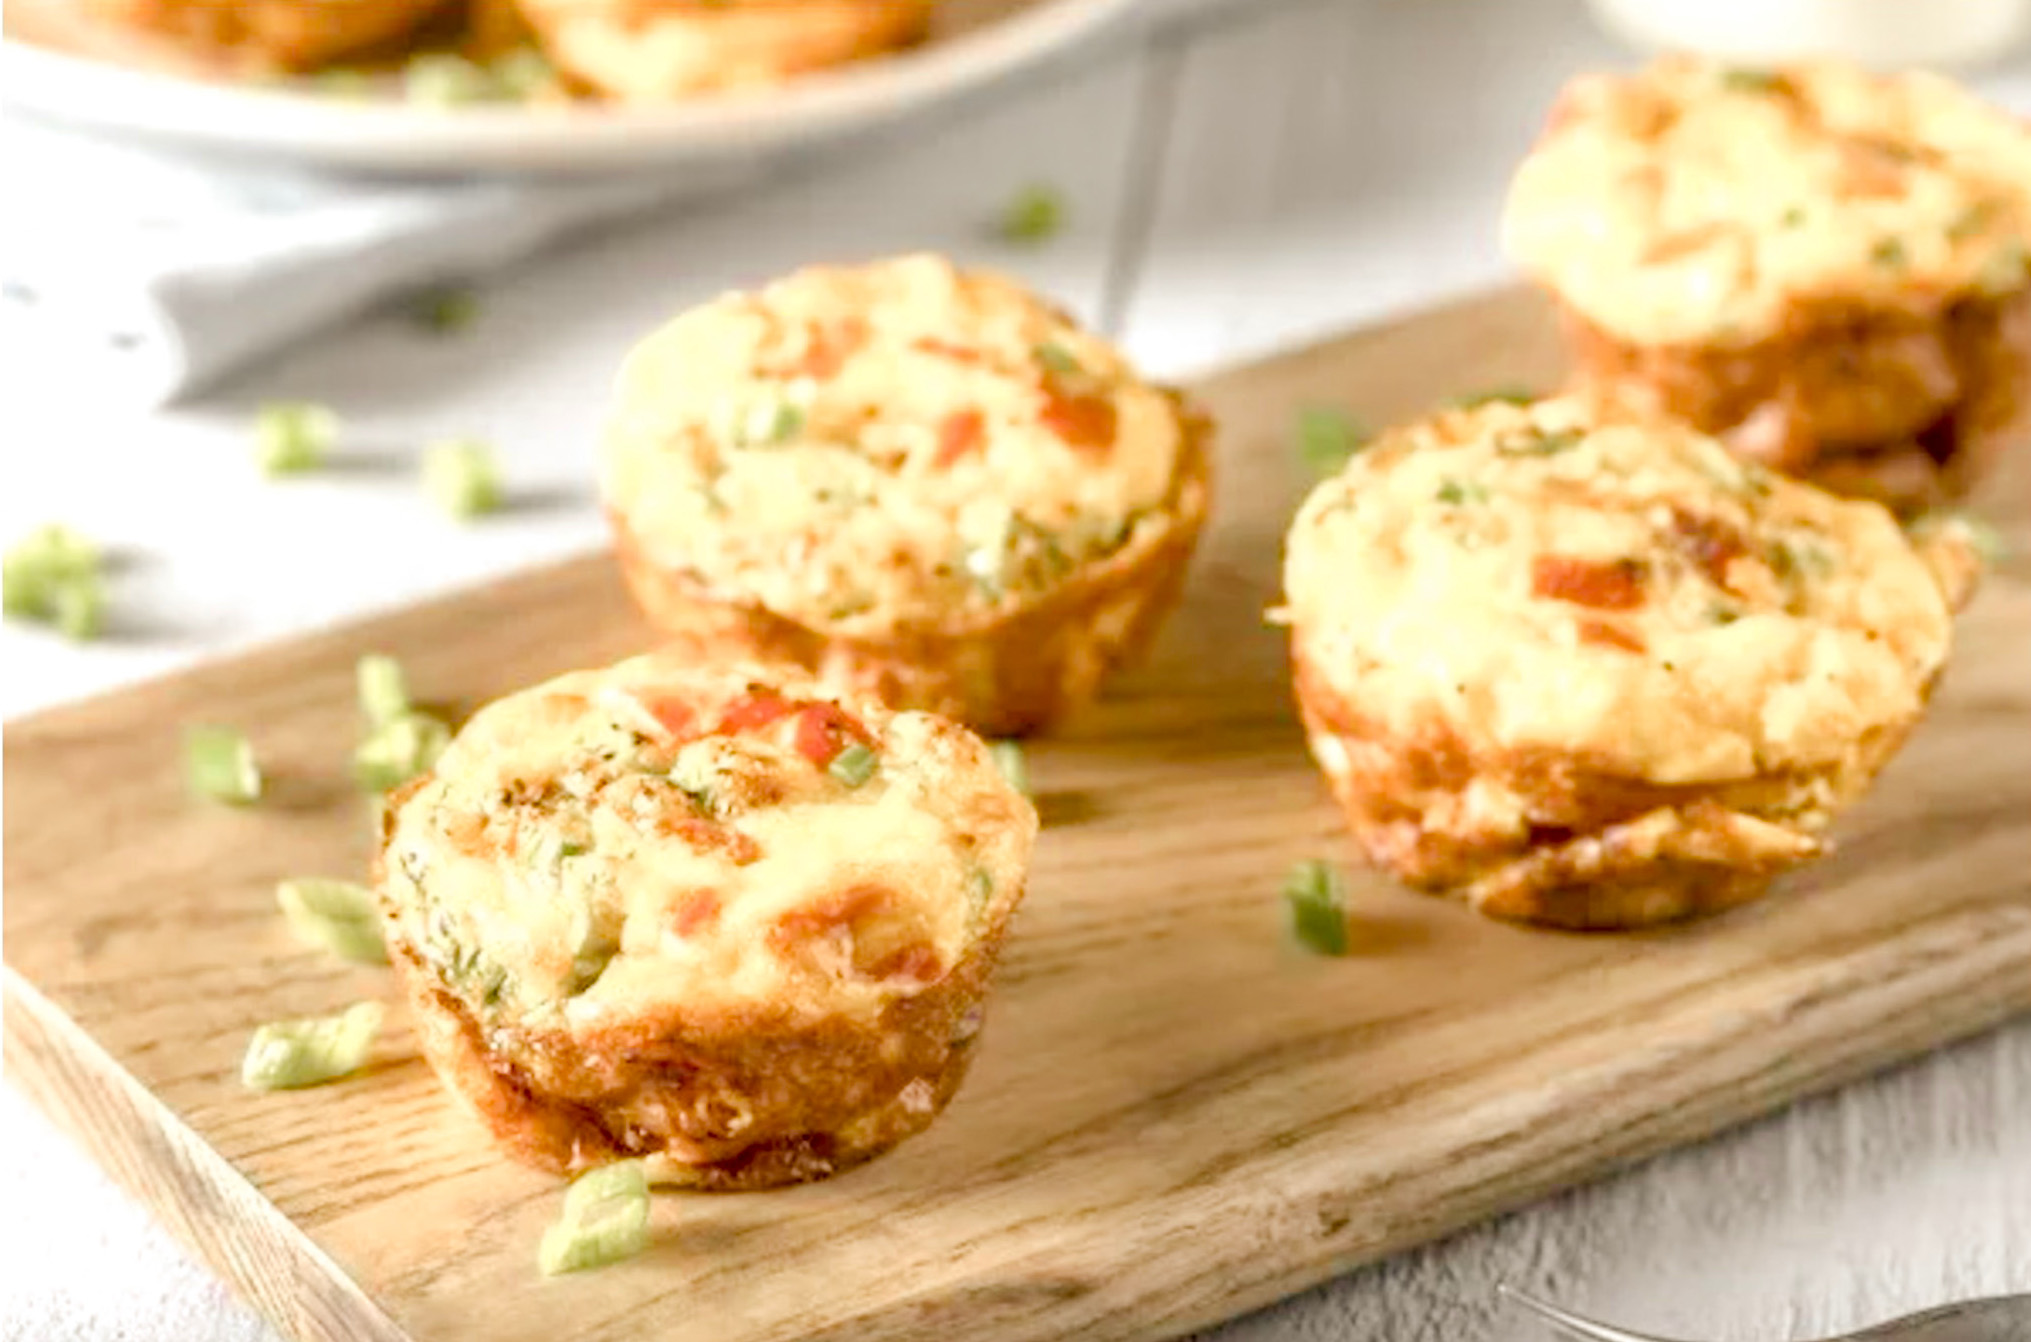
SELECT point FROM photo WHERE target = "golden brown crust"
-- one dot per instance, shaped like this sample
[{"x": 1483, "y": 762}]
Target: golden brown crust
[
  {"x": 1587, "y": 848},
  {"x": 267, "y": 34},
  {"x": 1003, "y": 672},
  {"x": 728, "y": 1102},
  {"x": 648, "y": 51},
  {"x": 1910, "y": 408}
]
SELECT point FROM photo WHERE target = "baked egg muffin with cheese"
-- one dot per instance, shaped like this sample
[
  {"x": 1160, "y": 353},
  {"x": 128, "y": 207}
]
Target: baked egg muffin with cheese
[
  {"x": 718, "y": 918},
  {"x": 1828, "y": 268},
  {"x": 920, "y": 483},
  {"x": 1595, "y": 671},
  {"x": 650, "y": 51}
]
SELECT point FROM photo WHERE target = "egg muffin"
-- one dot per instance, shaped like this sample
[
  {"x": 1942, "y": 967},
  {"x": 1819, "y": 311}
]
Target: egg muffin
[
  {"x": 1593, "y": 671},
  {"x": 1828, "y": 268},
  {"x": 265, "y": 34},
  {"x": 922, "y": 484},
  {"x": 718, "y": 918},
  {"x": 648, "y": 51}
]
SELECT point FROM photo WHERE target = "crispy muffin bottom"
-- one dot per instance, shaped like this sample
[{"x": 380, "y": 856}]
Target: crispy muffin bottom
[
  {"x": 1907, "y": 408},
  {"x": 725, "y": 1100},
  {"x": 267, "y": 34},
  {"x": 666, "y": 49},
  {"x": 1004, "y": 673},
  {"x": 1583, "y": 848}
]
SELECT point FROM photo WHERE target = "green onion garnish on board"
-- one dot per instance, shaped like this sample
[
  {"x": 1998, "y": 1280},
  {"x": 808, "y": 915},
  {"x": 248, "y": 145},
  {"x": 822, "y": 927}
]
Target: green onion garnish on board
[
  {"x": 218, "y": 763},
  {"x": 1014, "y": 766},
  {"x": 1318, "y": 906},
  {"x": 290, "y": 1054},
  {"x": 1327, "y": 438},
  {"x": 336, "y": 915},
  {"x": 605, "y": 1220}
]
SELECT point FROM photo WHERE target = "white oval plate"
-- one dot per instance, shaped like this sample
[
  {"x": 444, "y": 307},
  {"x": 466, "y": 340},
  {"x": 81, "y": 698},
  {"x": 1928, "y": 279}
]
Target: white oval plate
[{"x": 391, "y": 137}]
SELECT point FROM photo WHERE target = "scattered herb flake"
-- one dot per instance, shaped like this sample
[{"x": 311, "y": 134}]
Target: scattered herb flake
[
  {"x": 398, "y": 750},
  {"x": 1793, "y": 217},
  {"x": 1318, "y": 907},
  {"x": 291, "y": 437},
  {"x": 460, "y": 476},
  {"x": 1890, "y": 253},
  {"x": 445, "y": 310},
  {"x": 1057, "y": 360},
  {"x": 338, "y": 916},
  {"x": 1741, "y": 79},
  {"x": 218, "y": 763},
  {"x": 854, "y": 765},
  {"x": 1034, "y": 216},
  {"x": 605, "y": 1220},
  {"x": 1014, "y": 766},
  {"x": 1458, "y": 492},
  {"x": 1328, "y": 438},
  {"x": 289, "y": 1054},
  {"x": 383, "y": 689}
]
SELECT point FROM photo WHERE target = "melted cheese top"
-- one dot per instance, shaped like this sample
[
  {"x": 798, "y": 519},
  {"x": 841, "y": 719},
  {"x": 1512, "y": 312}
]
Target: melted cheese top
[
  {"x": 1623, "y": 591},
  {"x": 653, "y": 834},
  {"x": 894, "y": 443},
  {"x": 1694, "y": 203}
]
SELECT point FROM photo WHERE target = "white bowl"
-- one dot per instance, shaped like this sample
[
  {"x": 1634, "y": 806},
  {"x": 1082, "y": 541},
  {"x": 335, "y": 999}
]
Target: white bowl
[{"x": 390, "y": 137}]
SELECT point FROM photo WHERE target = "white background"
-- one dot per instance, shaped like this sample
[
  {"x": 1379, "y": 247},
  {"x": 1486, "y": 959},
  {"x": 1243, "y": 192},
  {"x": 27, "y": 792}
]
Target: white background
[{"x": 1272, "y": 174}]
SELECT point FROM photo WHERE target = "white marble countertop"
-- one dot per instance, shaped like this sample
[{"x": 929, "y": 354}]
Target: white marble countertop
[{"x": 1271, "y": 174}]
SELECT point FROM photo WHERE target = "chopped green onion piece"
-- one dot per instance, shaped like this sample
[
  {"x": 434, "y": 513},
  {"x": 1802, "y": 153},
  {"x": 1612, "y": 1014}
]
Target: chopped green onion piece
[
  {"x": 524, "y": 74},
  {"x": 1511, "y": 394},
  {"x": 219, "y": 764},
  {"x": 398, "y": 750},
  {"x": 1740, "y": 80},
  {"x": 1890, "y": 253},
  {"x": 77, "y": 606},
  {"x": 53, "y": 574},
  {"x": 460, "y": 476},
  {"x": 1015, "y": 769},
  {"x": 445, "y": 311},
  {"x": 1793, "y": 217},
  {"x": 775, "y": 421},
  {"x": 1057, "y": 359},
  {"x": 1457, "y": 492},
  {"x": 384, "y": 690},
  {"x": 442, "y": 80},
  {"x": 289, "y": 1054},
  {"x": 605, "y": 1220},
  {"x": 1036, "y": 215},
  {"x": 1542, "y": 443},
  {"x": 1328, "y": 438},
  {"x": 293, "y": 436},
  {"x": 854, "y": 765},
  {"x": 1318, "y": 904},
  {"x": 337, "y": 915}
]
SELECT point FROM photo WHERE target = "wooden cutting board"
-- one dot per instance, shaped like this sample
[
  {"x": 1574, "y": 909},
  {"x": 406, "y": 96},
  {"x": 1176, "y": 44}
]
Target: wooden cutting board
[{"x": 1176, "y": 1116}]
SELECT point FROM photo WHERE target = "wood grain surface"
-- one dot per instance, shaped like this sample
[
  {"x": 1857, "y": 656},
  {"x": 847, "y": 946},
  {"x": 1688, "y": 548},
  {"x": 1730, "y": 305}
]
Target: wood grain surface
[{"x": 1176, "y": 1115}]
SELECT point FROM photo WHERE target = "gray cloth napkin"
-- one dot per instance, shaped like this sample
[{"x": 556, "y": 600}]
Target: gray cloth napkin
[{"x": 162, "y": 273}]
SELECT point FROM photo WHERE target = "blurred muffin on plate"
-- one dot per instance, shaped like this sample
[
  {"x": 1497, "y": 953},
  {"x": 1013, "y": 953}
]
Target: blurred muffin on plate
[
  {"x": 922, "y": 484},
  {"x": 648, "y": 51},
  {"x": 1590, "y": 670},
  {"x": 264, "y": 34},
  {"x": 714, "y": 917},
  {"x": 1830, "y": 269}
]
